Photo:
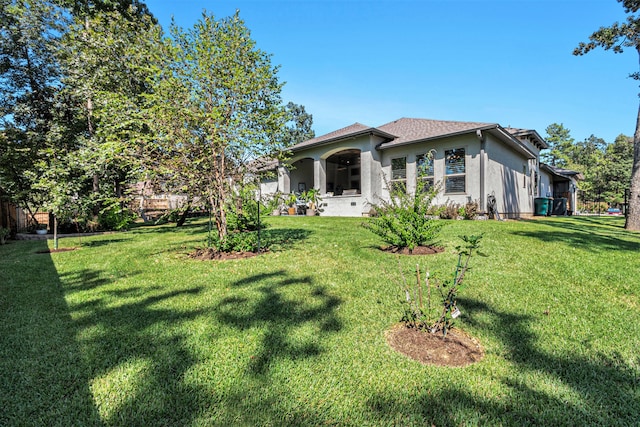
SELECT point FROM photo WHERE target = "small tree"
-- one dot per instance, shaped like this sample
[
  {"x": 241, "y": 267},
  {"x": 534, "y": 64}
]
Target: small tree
[
  {"x": 404, "y": 221},
  {"x": 418, "y": 312},
  {"x": 215, "y": 107}
]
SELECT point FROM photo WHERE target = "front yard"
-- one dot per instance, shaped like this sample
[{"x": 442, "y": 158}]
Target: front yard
[{"x": 127, "y": 330}]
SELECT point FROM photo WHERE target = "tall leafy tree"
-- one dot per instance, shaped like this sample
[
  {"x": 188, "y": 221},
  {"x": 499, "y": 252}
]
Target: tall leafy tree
[
  {"x": 616, "y": 168},
  {"x": 216, "y": 107},
  {"x": 105, "y": 59},
  {"x": 94, "y": 145},
  {"x": 29, "y": 81},
  {"x": 101, "y": 52},
  {"x": 617, "y": 37},
  {"x": 299, "y": 125},
  {"x": 560, "y": 145},
  {"x": 587, "y": 157}
]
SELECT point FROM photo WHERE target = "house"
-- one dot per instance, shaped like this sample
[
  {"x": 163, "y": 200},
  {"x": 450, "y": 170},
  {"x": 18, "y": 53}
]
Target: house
[
  {"x": 561, "y": 185},
  {"x": 353, "y": 166}
]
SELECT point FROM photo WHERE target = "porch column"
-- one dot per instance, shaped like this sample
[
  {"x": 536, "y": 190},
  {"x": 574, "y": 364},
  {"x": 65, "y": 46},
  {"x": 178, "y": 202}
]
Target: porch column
[
  {"x": 320, "y": 175},
  {"x": 370, "y": 175},
  {"x": 284, "y": 180}
]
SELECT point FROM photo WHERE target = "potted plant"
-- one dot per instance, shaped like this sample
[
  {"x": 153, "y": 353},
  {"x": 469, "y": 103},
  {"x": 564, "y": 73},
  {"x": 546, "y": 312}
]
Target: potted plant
[
  {"x": 275, "y": 203},
  {"x": 291, "y": 203},
  {"x": 312, "y": 196},
  {"x": 41, "y": 229}
]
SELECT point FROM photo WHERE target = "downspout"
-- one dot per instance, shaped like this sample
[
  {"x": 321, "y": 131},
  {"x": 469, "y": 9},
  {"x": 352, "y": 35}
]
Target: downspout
[{"x": 482, "y": 139}]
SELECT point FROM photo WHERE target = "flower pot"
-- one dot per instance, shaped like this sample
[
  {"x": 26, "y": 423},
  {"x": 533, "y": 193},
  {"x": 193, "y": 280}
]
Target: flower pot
[
  {"x": 291, "y": 211},
  {"x": 311, "y": 212}
]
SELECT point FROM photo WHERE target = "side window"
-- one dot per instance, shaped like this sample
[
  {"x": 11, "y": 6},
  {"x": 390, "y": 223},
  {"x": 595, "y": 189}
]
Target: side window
[
  {"x": 398, "y": 174},
  {"x": 424, "y": 170},
  {"x": 455, "y": 171}
]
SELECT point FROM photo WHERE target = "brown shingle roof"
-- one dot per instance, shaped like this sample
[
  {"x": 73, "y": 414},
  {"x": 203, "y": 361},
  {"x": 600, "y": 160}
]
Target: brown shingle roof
[
  {"x": 408, "y": 130},
  {"x": 412, "y": 130}
]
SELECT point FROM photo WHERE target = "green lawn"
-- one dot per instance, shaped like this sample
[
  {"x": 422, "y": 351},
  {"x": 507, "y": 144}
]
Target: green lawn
[{"x": 128, "y": 331}]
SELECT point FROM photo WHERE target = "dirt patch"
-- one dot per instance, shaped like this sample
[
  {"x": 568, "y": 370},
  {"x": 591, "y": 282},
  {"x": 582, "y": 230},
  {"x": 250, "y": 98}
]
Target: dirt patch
[
  {"x": 53, "y": 251},
  {"x": 208, "y": 254},
  {"x": 418, "y": 250},
  {"x": 457, "y": 349}
]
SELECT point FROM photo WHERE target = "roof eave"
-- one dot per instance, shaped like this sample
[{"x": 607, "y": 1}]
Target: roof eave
[
  {"x": 515, "y": 143},
  {"x": 369, "y": 131}
]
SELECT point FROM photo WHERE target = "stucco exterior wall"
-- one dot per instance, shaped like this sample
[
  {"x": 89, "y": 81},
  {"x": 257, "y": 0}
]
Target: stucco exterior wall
[
  {"x": 545, "y": 188},
  {"x": 301, "y": 175},
  {"x": 510, "y": 177},
  {"x": 491, "y": 166},
  {"x": 469, "y": 143},
  {"x": 311, "y": 168}
]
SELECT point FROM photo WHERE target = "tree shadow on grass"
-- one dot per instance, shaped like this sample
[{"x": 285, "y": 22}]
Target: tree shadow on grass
[
  {"x": 43, "y": 380},
  {"x": 137, "y": 358},
  {"x": 281, "y": 238},
  {"x": 99, "y": 356},
  {"x": 280, "y": 313},
  {"x": 102, "y": 242},
  {"x": 87, "y": 279},
  {"x": 606, "y": 389},
  {"x": 586, "y": 233},
  {"x": 109, "y": 355}
]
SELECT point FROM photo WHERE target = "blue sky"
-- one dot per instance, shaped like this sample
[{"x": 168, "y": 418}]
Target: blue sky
[{"x": 496, "y": 61}]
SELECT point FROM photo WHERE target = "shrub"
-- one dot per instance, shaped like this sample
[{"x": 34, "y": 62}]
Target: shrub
[
  {"x": 440, "y": 318},
  {"x": 243, "y": 223},
  {"x": 115, "y": 217},
  {"x": 237, "y": 241},
  {"x": 471, "y": 210},
  {"x": 4, "y": 232},
  {"x": 404, "y": 221},
  {"x": 274, "y": 202},
  {"x": 242, "y": 213},
  {"x": 450, "y": 210}
]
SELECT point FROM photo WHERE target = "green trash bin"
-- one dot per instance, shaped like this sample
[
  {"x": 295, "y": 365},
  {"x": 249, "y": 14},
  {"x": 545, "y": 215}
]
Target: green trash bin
[
  {"x": 549, "y": 206},
  {"x": 541, "y": 206}
]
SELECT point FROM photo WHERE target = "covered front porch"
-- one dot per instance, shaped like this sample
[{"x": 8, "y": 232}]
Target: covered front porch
[{"x": 338, "y": 177}]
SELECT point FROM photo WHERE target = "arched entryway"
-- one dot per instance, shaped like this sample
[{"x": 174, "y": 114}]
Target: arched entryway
[{"x": 343, "y": 173}]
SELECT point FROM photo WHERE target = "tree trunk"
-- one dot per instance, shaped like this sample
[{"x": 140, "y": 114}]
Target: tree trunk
[
  {"x": 633, "y": 215},
  {"x": 184, "y": 215}
]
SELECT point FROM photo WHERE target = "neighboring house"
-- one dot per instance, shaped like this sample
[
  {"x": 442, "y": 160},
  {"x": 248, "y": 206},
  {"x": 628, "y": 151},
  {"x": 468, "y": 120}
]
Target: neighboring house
[
  {"x": 351, "y": 166},
  {"x": 560, "y": 184}
]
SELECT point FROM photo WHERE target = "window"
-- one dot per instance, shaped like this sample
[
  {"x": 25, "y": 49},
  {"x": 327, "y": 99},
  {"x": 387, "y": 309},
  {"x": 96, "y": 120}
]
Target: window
[
  {"x": 424, "y": 170},
  {"x": 398, "y": 174},
  {"x": 454, "y": 173}
]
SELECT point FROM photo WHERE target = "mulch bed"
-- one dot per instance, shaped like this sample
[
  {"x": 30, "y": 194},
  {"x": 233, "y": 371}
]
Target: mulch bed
[
  {"x": 457, "y": 349},
  {"x": 418, "y": 250},
  {"x": 208, "y": 254}
]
